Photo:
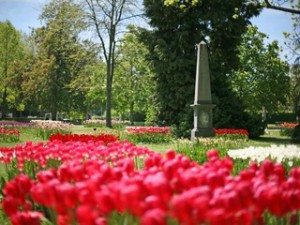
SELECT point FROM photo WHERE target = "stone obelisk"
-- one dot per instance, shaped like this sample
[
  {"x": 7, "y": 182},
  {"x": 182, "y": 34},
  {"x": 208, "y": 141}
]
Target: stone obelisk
[{"x": 203, "y": 101}]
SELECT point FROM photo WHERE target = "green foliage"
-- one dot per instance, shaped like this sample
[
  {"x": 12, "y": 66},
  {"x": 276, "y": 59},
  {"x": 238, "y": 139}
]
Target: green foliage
[
  {"x": 150, "y": 138},
  {"x": 296, "y": 134},
  {"x": 255, "y": 126},
  {"x": 295, "y": 87},
  {"x": 262, "y": 77},
  {"x": 61, "y": 58},
  {"x": 171, "y": 46},
  {"x": 12, "y": 54},
  {"x": 133, "y": 77},
  {"x": 107, "y": 19},
  {"x": 196, "y": 149},
  {"x": 4, "y": 219},
  {"x": 12, "y": 138},
  {"x": 281, "y": 117},
  {"x": 286, "y": 131},
  {"x": 45, "y": 133}
]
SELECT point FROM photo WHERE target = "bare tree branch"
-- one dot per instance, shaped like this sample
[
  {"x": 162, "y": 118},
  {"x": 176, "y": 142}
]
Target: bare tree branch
[
  {"x": 281, "y": 8},
  {"x": 95, "y": 20}
]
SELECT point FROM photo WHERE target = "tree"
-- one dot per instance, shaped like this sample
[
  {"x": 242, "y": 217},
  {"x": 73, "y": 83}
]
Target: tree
[
  {"x": 61, "y": 58},
  {"x": 262, "y": 78},
  {"x": 171, "y": 44},
  {"x": 281, "y": 5},
  {"x": 108, "y": 17},
  {"x": 295, "y": 89},
  {"x": 91, "y": 81},
  {"x": 12, "y": 51},
  {"x": 134, "y": 77}
]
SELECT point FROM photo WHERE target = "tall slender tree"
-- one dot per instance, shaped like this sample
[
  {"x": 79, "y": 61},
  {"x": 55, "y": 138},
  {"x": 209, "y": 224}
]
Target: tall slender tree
[
  {"x": 61, "y": 58},
  {"x": 134, "y": 76},
  {"x": 12, "y": 52},
  {"x": 108, "y": 18}
]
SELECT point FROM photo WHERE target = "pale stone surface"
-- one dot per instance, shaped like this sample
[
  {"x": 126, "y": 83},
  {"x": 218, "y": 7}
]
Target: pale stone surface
[{"x": 203, "y": 101}]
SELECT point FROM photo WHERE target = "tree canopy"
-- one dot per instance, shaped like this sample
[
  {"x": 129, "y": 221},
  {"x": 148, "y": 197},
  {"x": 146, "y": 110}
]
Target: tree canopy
[
  {"x": 262, "y": 79},
  {"x": 60, "y": 59},
  {"x": 289, "y": 6},
  {"x": 172, "y": 50},
  {"x": 12, "y": 53}
]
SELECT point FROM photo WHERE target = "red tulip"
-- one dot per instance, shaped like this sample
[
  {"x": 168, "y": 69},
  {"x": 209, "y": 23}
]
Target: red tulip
[{"x": 153, "y": 217}]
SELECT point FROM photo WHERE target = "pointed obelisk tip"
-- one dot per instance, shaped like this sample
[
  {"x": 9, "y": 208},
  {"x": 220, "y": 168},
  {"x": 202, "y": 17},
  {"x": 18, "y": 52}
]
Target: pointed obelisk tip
[{"x": 202, "y": 43}]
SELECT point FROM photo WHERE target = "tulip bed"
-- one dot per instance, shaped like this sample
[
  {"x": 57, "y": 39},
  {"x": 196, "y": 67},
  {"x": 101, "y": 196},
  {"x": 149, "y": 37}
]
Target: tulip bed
[
  {"x": 9, "y": 135},
  {"x": 140, "y": 134},
  {"x": 287, "y": 129},
  {"x": 102, "y": 123},
  {"x": 15, "y": 124},
  {"x": 106, "y": 138},
  {"x": 80, "y": 179},
  {"x": 45, "y": 128},
  {"x": 232, "y": 133}
]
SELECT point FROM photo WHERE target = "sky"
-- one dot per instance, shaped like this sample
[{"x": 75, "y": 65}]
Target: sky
[{"x": 24, "y": 14}]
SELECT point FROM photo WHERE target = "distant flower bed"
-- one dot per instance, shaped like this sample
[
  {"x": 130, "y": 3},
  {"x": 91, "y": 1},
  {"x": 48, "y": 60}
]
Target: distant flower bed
[
  {"x": 287, "y": 129},
  {"x": 139, "y": 134},
  {"x": 289, "y": 125},
  {"x": 45, "y": 128},
  {"x": 232, "y": 133},
  {"x": 9, "y": 135},
  {"x": 15, "y": 124},
  {"x": 102, "y": 123},
  {"x": 106, "y": 138}
]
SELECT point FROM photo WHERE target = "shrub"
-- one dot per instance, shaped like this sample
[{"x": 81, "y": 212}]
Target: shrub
[
  {"x": 287, "y": 129},
  {"x": 296, "y": 134},
  {"x": 255, "y": 126}
]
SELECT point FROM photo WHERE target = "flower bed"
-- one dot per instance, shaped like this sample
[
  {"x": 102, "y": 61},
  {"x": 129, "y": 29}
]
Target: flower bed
[
  {"x": 287, "y": 129},
  {"x": 42, "y": 155},
  {"x": 169, "y": 190},
  {"x": 196, "y": 149},
  {"x": 106, "y": 138},
  {"x": 278, "y": 153},
  {"x": 15, "y": 124},
  {"x": 102, "y": 123},
  {"x": 9, "y": 135},
  {"x": 139, "y": 134},
  {"x": 289, "y": 125},
  {"x": 232, "y": 133},
  {"x": 45, "y": 128}
]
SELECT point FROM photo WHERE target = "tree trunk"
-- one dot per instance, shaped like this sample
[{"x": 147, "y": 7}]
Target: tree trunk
[
  {"x": 131, "y": 113},
  {"x": 108, "y": 94},
  {"x": 4, "y": 104}
]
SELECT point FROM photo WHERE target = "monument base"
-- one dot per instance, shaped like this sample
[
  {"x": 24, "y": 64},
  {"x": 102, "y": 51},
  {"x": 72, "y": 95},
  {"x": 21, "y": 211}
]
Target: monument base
[{"x": 202, "y": 132}]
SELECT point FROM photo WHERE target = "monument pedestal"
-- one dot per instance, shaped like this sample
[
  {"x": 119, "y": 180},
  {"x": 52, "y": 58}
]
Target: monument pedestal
[{"x": 202, "y": 121}]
